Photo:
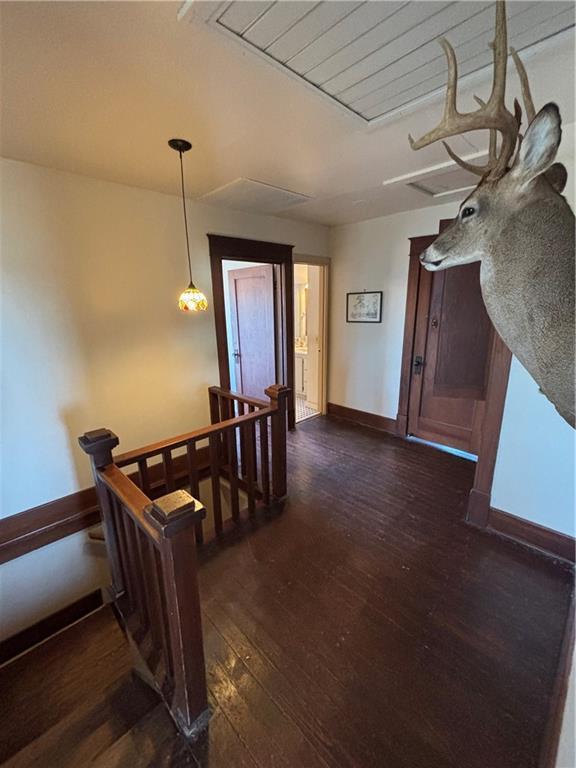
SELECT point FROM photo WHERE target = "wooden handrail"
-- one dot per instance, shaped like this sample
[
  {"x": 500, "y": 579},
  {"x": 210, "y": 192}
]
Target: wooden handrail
[
  {"x": 228, "y": 394},
  {"x": 147, "y": 451},
  {"x": 152, "y": 553},
  {"x": 151, "y": 545},
  {"x": 134, "y": 500}
]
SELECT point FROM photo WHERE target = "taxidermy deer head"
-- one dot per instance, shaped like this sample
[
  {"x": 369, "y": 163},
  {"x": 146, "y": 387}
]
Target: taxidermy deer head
[{"x": 517, "y": 224}]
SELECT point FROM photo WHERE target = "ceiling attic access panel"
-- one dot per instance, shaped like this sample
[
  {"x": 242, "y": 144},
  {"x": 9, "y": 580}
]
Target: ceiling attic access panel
[{"x": 375, "y": 59}]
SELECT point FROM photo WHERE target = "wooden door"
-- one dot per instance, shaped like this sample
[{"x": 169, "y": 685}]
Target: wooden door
[
  {"x": 453, "y": 339},
  {"x": 253, "y": 328}
]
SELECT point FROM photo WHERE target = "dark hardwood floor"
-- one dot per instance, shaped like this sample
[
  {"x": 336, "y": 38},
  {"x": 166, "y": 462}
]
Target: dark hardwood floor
[{"x": 365, "y": 626}]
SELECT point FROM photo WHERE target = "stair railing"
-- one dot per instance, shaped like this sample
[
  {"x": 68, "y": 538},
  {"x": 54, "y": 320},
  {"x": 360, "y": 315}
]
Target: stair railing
[{"x": 152, "y": 528}]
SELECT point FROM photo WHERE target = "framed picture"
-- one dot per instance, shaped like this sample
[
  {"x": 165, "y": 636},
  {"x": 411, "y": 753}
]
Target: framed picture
[{"x": 365, "y": 307}]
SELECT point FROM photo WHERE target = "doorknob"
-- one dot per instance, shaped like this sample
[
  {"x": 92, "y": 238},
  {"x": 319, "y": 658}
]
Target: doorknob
[
  {"x": 418, "y": 365},
  {"x": 236, "y": 354}
]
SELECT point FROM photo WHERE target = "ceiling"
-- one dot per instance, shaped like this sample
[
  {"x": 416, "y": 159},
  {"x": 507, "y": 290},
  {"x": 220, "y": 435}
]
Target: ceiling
[
  {"x": 373, "y": 58},
  {"x": 97, "y": 88}
]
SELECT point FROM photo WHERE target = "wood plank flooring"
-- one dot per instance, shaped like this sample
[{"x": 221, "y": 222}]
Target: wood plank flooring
[{"x": 366, "y": 625}]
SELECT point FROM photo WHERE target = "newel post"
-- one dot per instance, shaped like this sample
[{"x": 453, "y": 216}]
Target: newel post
[
  {"x": 278, "y": 395},
  {"x": 98, "y": 444},
  {"x": 174, "y": 517}
]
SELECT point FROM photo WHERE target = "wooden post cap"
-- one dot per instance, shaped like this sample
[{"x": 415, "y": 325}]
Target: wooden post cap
[
  {"x": 174, "y": 512},
  {"x": 99, "y": 444},
  {"x": 276, "y": 390}
]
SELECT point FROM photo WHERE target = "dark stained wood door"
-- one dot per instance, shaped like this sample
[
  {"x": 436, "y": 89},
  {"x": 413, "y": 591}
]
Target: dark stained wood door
[
  {"x": 253, "y": 328},
  {"x": 451, "y": 356}
]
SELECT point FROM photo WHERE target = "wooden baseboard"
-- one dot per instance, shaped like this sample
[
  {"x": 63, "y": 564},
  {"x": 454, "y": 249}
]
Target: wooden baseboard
[
  {"x": 383, "y": 423},
  {"x": 478, "y": 511},
  {"x": 551, "y": 742},
  {"x": 552, "y": 543},
  {"x": 42, "y": 630},
  {"x": 34, "y": 528}
]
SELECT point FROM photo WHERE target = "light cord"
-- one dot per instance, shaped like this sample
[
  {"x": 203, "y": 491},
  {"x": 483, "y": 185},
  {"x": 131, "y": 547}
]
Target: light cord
[{"x": 185, "y": 216}]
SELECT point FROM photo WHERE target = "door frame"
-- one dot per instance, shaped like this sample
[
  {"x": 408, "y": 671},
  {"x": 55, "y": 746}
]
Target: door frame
[
  {"x": 324, "y": 263},
  {"x": 478, "y": 507},
  {"x": 224, "y": 248}
]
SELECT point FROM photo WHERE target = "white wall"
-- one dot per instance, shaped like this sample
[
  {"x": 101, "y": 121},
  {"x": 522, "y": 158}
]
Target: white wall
[
  {"x": 91, "y": 332},
  {"x": 534, "y": 475},
  {"x": 364, "y": 360}
]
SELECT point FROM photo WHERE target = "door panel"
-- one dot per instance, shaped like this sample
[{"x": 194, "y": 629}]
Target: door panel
[
  {"x": 253, "y": 328},
  {"x": 453, "y": 337}
]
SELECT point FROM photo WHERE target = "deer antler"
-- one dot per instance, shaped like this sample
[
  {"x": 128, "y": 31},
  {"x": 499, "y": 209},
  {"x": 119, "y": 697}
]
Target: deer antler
[
  {"x": 492, "y": 115},
  {"x": 525, "y": 85}
]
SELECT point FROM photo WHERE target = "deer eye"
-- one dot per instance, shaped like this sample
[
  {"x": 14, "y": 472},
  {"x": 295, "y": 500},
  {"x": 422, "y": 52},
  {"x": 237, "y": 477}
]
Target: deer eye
[{"x": 468, "y": 211}]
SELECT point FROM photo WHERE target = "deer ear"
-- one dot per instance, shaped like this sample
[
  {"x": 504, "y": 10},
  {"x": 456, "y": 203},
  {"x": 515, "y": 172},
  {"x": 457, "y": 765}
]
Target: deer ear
[
  {"x": 557, "y": 176},
  {"x": 539, "y": 146}
]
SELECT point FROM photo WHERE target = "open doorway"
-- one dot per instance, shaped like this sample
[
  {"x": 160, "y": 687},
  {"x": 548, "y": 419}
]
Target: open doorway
[
  {"x": 309, "y": 339},
  {"x": 252, "y": 284}
]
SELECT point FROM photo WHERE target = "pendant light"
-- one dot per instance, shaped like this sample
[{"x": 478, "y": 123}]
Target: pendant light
[{"x": 192, "y": 299}]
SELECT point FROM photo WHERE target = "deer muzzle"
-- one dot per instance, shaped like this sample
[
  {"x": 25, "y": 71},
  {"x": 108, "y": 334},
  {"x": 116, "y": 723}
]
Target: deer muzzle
[{"x": 430, "y": 259}]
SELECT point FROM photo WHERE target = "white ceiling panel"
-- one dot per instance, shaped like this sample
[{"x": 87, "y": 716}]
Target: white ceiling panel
[
  {"x": 475, "y": 33},
  {"x": 374, "y": 57},
  {"x": 239, "y": 17},
  {"x": 324, "y": 16},
  {"x": 410, "y": 17},
  {"x": 429, "y": 82},
  {"x": 276, "y": 22},
  {"x": 365, "y": 16}
]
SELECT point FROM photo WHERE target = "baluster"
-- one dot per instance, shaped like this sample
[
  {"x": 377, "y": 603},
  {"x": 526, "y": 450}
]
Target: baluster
[
  {"x": 249, "y": 436},
  {"x": 149, "y": 652},
  {"x": 251, "y": 409},
  {"x": 174, "y": 516},
  {"x": 168, "y": 470},
  {"x": 164, "y": 613},
  {"x": 264, "y": 461},
  {"x": 215, "y": 477},
  {"x": 278, "y": 395},
  {"x": 158, "y": 623},
  {"x": 194, "y": 485},
  {"x": 233, "y": 474},
  {"x": 143, "y": 476},
  {"x": 241, "y": 412},
  {"x": 138, "y": 622}
]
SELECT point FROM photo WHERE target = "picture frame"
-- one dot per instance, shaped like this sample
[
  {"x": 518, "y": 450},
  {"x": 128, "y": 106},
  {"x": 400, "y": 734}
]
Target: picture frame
[{"x": 364, "y": 307}]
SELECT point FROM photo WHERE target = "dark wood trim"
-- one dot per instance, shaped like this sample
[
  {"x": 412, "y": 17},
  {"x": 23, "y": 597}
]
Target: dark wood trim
[
  {"x": 551, "y": 741},
  {"x": 417, "y": 244},
  {"x": 383, "y": 423},
  {"x": 34, "y": 528},
  {"x": 479, "y": 499},
  {"x": 42, "y": 630},
  {"x": 240, "y": 249},
  {"x": 46, "y": 523},
  {"x": 536, "y": 536},
  {"x": 244, "y": 249},
  {"x": 478, "y": 509}
]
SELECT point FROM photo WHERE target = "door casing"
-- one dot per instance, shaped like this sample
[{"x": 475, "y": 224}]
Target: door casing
[
  {"x": 239, "y": 249},
  {"x": 324, "y": 263},
  {"x": 478, "y": 508}
]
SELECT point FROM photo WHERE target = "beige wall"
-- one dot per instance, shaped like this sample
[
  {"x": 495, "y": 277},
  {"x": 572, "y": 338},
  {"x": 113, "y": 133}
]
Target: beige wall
[
  {"x": 91, "y": 332},
  {"x": 92, "y": 336},
  {"x": 364, "y": 359}
]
